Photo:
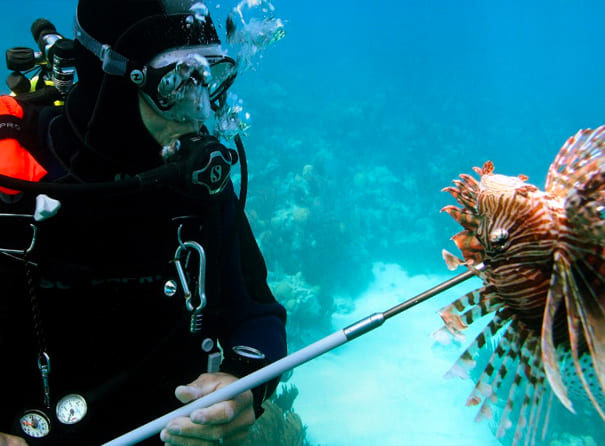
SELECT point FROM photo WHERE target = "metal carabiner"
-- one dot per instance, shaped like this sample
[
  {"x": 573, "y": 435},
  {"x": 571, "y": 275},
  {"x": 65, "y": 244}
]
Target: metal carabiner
[
  {"x": 44, "y": 368},
  {"x": 183, "y": 246}
]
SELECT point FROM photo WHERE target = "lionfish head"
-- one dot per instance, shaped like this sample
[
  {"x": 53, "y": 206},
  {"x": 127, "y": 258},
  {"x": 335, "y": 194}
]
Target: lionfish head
[
  {"x": 500, "y": 184},
  {"x": 503, "y": 204}
]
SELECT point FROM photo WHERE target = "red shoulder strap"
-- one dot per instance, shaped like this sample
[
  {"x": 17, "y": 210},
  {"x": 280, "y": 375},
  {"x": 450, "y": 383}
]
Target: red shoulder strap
[{"x": 15, "y": 160}]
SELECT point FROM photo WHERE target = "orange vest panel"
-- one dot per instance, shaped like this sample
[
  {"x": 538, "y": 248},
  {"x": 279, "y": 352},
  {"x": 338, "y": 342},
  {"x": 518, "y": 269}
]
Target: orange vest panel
[{"x": 15, "y": 160}]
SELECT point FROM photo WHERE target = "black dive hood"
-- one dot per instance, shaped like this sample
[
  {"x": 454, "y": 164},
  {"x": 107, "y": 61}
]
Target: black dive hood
[
  {"x": 201, "y": 167},
  {"x": 103, "y": 109}
]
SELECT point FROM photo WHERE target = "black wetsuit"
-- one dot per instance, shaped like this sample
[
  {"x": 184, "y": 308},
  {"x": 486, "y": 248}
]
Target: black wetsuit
[{"x": 111, "y": 333}]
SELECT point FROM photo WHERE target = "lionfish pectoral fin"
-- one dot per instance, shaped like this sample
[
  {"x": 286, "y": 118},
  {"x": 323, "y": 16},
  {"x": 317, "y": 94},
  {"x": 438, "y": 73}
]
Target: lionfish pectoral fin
[
  {"x": 577, "y": 176},
  {"x": 581, "y": 155},
  {"x": 517, "y": 386},
  {"x": 465, "y": 310},
  {"x": 466, "y": 361},
  {"x": 586, "y": 316},
  {"x": 445, "y": 336},
  {"x": 585, "y": 207},
  {"x": 538, "y": 402},
  {"x": 549, "y": 352},
  {"x": 497, "y": 368},
  {"x": 526, "y": 408},
  {"x": 461, "y": 368}
]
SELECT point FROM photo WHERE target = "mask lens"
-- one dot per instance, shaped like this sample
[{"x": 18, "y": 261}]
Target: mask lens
[
  {"x": 186, "y": 87},
  {"x": 222, "y": 74},
  {"x": 167, "y": 87}
]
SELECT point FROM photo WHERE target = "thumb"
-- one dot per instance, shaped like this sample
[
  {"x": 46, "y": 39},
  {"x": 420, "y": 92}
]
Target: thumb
[{"x": 205, "y": 384}]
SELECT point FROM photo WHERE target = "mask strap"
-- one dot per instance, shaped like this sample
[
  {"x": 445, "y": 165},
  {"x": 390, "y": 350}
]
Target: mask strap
[{"x": 113, "y": 62}]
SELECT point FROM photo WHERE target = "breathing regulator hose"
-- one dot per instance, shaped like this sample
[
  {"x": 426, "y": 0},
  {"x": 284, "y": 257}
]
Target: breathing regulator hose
[{"x": 202, "y": 165}]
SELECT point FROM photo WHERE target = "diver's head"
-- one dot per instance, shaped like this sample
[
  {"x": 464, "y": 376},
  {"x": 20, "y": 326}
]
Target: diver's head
[
  {"x": 170, "y": 51},
  {"x": 133, "y": 56}
]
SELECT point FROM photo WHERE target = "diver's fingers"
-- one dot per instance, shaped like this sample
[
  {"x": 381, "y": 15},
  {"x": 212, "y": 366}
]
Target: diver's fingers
[
  {"x": 226, "y": 411},
  {"x": 11, "y": 440},
  {"x": 206, "y": 383},
  {"x": 178, "y": 441},
  {"x": 182, "y": 432}
]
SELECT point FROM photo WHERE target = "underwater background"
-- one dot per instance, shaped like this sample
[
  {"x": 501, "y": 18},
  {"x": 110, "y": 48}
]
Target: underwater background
[{"x": 359, "y": 117}]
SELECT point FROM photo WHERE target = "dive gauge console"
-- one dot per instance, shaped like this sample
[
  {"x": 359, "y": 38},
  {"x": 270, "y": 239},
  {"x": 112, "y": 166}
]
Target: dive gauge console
[{"x": 70, "y": 409}]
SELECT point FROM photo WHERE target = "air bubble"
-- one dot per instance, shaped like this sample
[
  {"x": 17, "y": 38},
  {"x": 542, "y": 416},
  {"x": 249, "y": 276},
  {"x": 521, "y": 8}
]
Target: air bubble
[{"x": 200, "y": 11}]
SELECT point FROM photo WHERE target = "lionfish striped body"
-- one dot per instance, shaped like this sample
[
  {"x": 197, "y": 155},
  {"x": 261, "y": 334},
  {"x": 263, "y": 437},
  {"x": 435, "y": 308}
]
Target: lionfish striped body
[{"x": 541, "y": 256}]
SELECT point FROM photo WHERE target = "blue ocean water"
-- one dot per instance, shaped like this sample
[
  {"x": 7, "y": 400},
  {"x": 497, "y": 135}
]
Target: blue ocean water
[{"x": 359, "y": 117}]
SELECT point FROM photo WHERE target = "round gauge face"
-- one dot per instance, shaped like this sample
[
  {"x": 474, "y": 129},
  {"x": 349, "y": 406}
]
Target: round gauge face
[
  {"x": 71, "y": 409},
  {"x": 35, "y": 424}
]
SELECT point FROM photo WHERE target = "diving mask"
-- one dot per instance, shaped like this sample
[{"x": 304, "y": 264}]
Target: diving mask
[
  {"x": 181, "y": 71},
  {"x": 184, "y": 84}
]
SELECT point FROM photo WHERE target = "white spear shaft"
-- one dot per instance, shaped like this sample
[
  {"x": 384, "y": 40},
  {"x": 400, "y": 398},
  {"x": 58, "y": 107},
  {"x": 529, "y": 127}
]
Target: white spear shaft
[{"x": 285, "y": 364}]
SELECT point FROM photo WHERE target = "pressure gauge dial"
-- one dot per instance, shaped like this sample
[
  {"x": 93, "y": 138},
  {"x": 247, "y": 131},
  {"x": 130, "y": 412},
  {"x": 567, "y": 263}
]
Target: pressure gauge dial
[
  {"x": 35, "y": 424},
  {"x": 71, "y": 409}
]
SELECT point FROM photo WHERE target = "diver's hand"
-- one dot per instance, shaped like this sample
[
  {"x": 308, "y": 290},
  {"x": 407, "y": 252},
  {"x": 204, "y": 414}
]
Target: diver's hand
[
  {"x": 228, "y": 421},
  {"x": 11, "y": 440}
]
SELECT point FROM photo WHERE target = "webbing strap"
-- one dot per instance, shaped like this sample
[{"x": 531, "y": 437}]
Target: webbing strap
[{"x": 113, "y": 62}]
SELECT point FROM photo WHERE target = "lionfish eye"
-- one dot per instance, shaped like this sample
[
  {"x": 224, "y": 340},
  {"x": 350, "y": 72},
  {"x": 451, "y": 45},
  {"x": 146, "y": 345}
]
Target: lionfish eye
[{"x": 498, "y": 237}]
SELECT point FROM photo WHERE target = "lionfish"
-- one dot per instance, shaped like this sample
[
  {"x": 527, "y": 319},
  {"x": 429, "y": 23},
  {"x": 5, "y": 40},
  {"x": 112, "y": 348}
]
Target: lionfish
[{"x": 541, "y": 256}]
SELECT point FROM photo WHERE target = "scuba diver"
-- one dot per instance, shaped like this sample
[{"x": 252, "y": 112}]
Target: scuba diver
[{"x": 132, "y": 282}]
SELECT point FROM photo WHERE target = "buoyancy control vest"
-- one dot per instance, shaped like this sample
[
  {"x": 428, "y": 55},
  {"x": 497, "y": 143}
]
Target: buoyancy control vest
[
  {"x": 15, "y": 160},
  {"x": 121, "y": 243}
]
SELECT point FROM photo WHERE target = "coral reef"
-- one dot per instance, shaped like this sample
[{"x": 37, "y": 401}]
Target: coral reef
[
  {"x": 303, "y": 304},
  {"x": 279, "y": 425},
  {"x": 285, "y": 399}
]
